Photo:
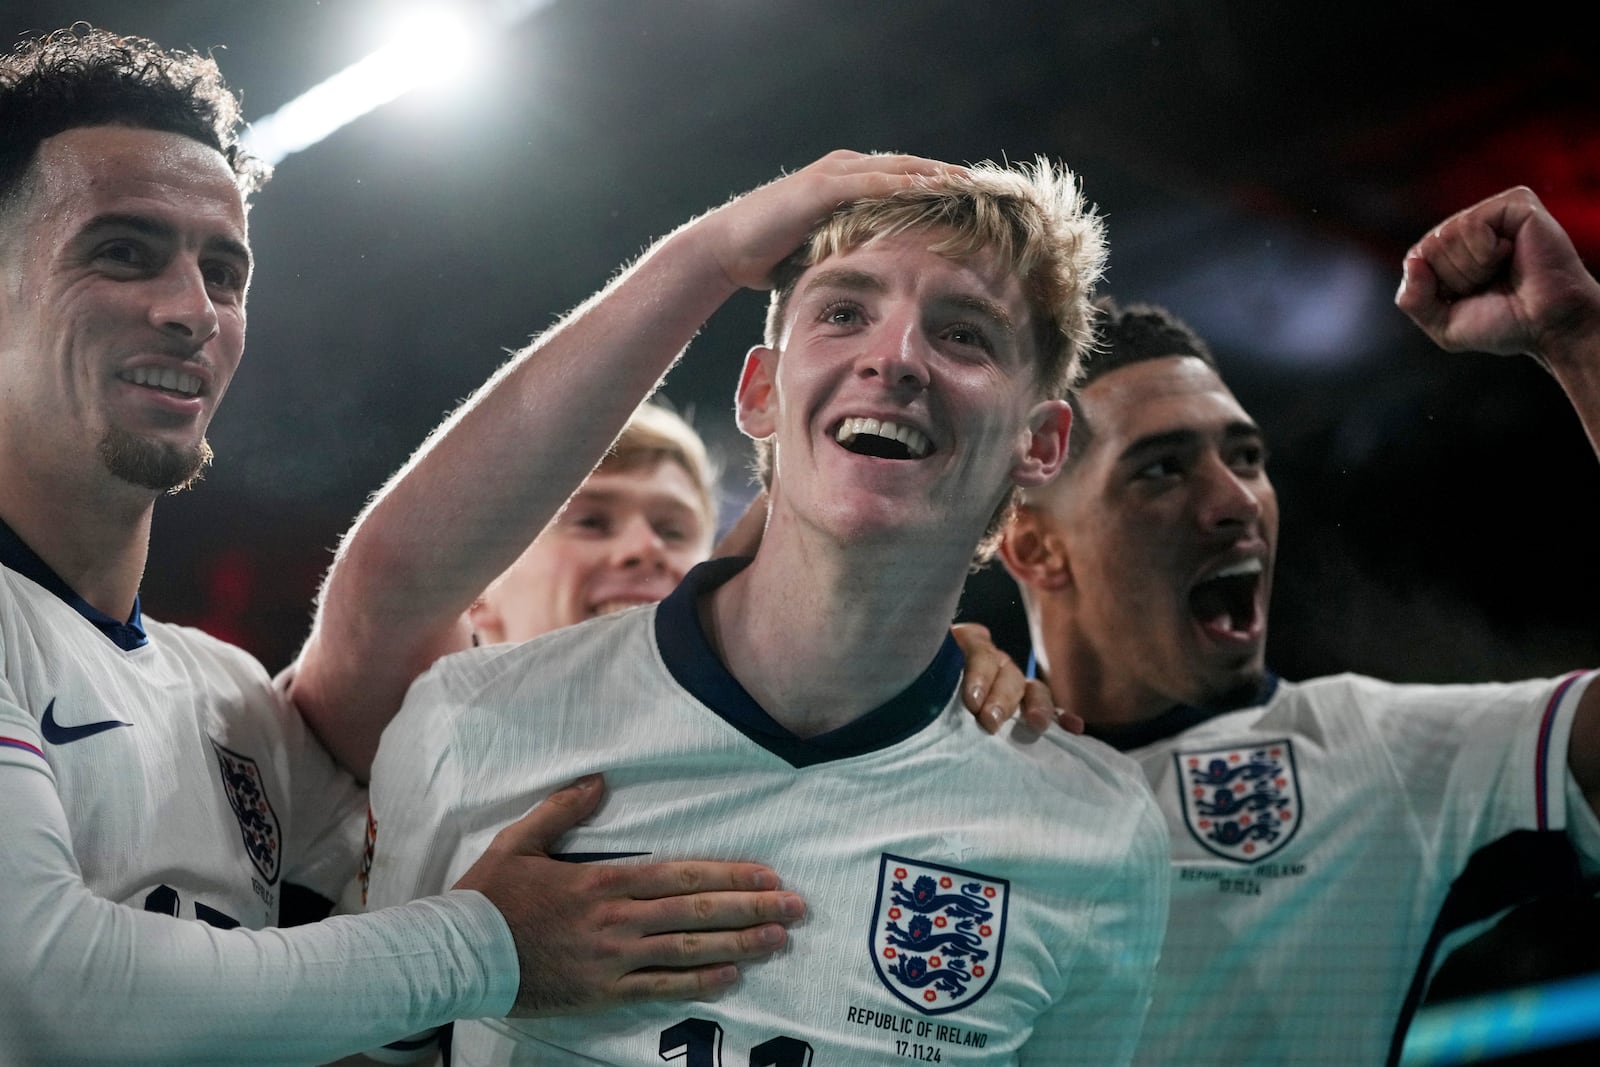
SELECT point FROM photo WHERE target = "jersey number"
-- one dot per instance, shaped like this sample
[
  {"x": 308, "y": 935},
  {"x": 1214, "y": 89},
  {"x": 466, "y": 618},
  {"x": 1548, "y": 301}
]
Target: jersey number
[
  {"x": 163, "y": 899},
  {"x": 698, "y": 1042}
]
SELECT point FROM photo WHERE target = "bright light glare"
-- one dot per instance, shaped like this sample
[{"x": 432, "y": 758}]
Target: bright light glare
[{"x": 428, "y": 49}]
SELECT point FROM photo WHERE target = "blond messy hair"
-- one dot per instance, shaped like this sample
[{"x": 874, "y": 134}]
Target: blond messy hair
[
  {"x": 655, "y": 434},
  {"x": 1033, "y": 217}
]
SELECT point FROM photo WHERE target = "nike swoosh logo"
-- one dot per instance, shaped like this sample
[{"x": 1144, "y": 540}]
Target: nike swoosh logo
[
  {"x": 57, "y": 734},
  {"x": 594, "y": 857}
]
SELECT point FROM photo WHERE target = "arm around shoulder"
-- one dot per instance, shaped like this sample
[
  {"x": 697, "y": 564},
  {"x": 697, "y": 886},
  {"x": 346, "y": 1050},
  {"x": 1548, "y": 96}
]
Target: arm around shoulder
[{"x": 483, "y": 485}]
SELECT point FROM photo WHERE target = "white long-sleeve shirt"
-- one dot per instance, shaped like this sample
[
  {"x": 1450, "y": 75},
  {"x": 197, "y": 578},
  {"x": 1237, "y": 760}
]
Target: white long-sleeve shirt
[{"x": 149, "y": 771}]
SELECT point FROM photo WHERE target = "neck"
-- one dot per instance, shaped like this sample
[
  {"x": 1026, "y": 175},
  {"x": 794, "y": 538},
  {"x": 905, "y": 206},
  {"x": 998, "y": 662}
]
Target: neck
[
  {"x": 820, "y": 634},
  {"x": 1079, "y": 681},
  {"x": 96, "y": 542}
]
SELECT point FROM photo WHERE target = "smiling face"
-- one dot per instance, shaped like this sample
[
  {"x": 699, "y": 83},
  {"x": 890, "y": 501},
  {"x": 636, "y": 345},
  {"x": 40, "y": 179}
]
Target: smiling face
[
  {"x": 627, "y": 537},
  {"x": 1167, "y": 524},
  {"x": 124, "y": 265},
  {"x": 902, "y": 394}
]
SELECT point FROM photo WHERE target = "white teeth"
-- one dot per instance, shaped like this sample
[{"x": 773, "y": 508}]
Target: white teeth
[
  {"x": 1249, "y": 566},
  {"x": 915, "y": 440},
  {"x": 173, "y": 381}
]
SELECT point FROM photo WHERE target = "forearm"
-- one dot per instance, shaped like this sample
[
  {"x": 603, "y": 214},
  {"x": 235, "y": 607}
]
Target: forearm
[
  {"x": 1575, "y": 363},
  {"x": 83, "y": 979},
  {"x": 483, "y": 486}
]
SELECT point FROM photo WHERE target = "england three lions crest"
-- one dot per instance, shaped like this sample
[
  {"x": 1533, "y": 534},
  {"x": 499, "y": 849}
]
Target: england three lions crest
[
  {"x": 258, "y": 823},
  {"x": 1240, "y": 803},
  {"x": 937, "y": 933}
]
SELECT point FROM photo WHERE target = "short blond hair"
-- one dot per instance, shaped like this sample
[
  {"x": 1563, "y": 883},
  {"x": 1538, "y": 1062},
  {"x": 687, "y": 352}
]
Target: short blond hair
[
  {"x": 1032, "y": 216},
  {"x": 655, "y": 433}
]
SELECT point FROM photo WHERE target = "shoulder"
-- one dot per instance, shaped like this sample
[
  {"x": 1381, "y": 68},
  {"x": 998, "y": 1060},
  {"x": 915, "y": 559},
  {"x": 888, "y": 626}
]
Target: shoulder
[
  {"x": 1073, "y": 771},
  {"x": 1096, "y": 805},
  {"x": 474, "y": 693},
  {"x": 209, "y": 658},
  {"x": 570, "y": 655},
  {"x": 1373, "y": 697},
  {"x": 1073, "y": 756}
]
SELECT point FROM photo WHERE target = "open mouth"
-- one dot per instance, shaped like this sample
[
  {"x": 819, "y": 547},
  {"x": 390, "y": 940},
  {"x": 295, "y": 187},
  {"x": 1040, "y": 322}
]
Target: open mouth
[
  {"x": 164, "y": 379},
  {"x": 882, "y": 439},
  {"x": 1225, "y": 603}
]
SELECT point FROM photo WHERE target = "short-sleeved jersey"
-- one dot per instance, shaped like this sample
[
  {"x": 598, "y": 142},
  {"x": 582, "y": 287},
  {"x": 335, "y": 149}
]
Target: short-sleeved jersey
[
  {"x": 172, "y": 754},
  {"x": 1327, "y": 841},
  {"x": 971, "y": 899}
]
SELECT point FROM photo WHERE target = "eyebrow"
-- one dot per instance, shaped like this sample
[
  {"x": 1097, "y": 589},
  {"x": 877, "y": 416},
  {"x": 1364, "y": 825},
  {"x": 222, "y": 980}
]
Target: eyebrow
[
  {"x": 1236, "y": 430},
  {"x": 861, "y": 281},
  {"x": 845, "y": 278},
  {"x": 155, "y": 228}
]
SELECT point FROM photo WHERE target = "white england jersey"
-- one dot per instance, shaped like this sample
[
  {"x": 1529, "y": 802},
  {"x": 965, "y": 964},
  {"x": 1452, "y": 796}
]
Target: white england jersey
[
  {"x": 150, "y": 771},
  {"x": 173, "y": 756},
  {"x": 972, "y": 900},
  {"x": 1326, "y": 843}
]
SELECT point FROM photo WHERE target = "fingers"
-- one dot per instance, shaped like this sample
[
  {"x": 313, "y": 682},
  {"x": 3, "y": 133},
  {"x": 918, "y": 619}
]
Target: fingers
[
  {"x": 689, "y": 879},
  {"x": 542, "y": 827},
  {"x": 1039, "y": 709},
  {"x": 1419, "y": 296},
  {"x": 1467, "y": 251},
  {"x": 865, "y": 176},
  {"x": 994, "y": 688},
  {"x": 711, "y": 910},
  {"x": 700, "y": 983},
  {"x": 1501, "y": 276},
  {"x": 985, "y": 691},
  {"x": 849, "y": 164},
  {"x": 591, "y": 934},
  {"x": 748, "y": 236},
  {"x": 687, "y": 965},
  {"x": 1070, "y": 721}
]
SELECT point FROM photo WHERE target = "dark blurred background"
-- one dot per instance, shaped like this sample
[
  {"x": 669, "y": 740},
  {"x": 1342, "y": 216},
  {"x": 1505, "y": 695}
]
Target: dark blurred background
[{"x": 1262, "y": 169}]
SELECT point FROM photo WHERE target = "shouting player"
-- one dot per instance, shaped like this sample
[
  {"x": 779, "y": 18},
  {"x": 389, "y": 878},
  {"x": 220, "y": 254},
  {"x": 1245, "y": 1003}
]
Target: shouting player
[{"x": 1327, "y": 835}]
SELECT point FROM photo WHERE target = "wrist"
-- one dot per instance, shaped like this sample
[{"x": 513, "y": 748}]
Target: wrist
[{"x": 1572, "y": 347}]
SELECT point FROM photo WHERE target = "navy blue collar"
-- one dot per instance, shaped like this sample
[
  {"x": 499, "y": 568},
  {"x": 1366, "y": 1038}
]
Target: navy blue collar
[
  {"x": 1169, "y": 723},
  {"x": 690, "y": 658},
  {"x": 17, "y": 556}
]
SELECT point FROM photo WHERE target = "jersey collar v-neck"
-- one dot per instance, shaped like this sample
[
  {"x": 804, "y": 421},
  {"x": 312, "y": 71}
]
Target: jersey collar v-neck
[
  {"x": 688, "y": 655},
  {"x": 15, "y": 555}
]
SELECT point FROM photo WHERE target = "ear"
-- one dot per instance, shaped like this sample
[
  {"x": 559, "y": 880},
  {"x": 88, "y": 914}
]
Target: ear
[
  {"x": 1045, "y": 448},
  {"x": 755, "y": 405},
  {"x": 1033, "y": 552}
]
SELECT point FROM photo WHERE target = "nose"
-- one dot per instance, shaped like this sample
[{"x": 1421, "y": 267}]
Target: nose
[
  {"x": 897, "y": 352},
  {"x": 182, "y": 305},
  {"x": 1229, "y": 499},
  {"x": 637, "y": 544}
]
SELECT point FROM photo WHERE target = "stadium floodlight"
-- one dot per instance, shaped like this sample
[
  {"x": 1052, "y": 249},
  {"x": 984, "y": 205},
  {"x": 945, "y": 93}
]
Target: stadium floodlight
[{"x": 430, "y": 47}]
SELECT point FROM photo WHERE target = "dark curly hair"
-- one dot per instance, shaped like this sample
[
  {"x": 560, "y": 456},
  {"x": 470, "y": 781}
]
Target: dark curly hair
[{"x": 82, "y": 76}]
